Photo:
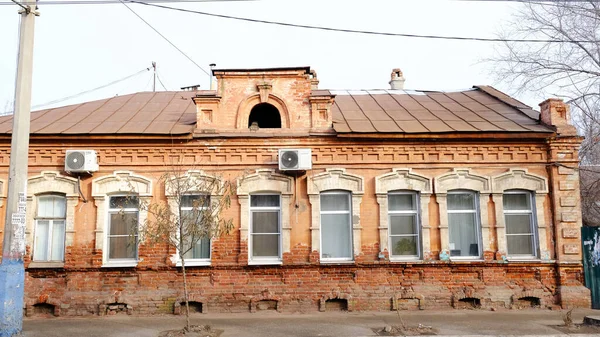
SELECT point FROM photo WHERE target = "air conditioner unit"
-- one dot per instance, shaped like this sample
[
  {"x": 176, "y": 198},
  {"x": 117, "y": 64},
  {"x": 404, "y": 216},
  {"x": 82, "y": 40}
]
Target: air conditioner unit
[
  {"x": 295, "y": 159},
  {"x": 81, "y": 161}
]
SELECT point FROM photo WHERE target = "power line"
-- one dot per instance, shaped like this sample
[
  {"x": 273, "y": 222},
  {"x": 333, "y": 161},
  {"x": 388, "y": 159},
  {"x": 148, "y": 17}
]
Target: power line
[
  {"x": 341, "y": 30},
  {"x": 107, "y": 2},
  {"x": 86, "y": 92},
  {"x": 165, "y": 38},
  {"x": 18, "y": 3},
  {"x": 161, "y": 82}
]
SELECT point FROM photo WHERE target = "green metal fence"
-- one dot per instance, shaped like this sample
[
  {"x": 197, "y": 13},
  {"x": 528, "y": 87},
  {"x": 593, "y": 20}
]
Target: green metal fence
[{"x": 591, "y": 262}]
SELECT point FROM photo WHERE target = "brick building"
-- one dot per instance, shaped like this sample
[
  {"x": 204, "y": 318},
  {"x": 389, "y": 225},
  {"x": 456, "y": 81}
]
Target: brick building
[{"x": 410, "y": 199}]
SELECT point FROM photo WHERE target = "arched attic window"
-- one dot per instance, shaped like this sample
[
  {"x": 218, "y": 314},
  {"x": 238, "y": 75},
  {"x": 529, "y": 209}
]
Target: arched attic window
[{"x": 264, "y": 116}]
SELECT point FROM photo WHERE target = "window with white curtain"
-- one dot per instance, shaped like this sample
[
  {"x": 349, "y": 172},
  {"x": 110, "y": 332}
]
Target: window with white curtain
[
  {"x": 123, "y": 217},
  {"x": 49, "y": 244},
  {"x": 521, "y": 240},
  {"x": 336, "y": 226},
  {"x": 403, "y": 225},
  {"x": 463, "y": 224},
  {"x": 265, "y": 227},
  {"x": 193, "y": 208}
]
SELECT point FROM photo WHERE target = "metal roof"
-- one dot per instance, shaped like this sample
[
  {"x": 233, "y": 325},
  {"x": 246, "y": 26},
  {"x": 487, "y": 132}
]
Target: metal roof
[{"x": 480, "y": 109}]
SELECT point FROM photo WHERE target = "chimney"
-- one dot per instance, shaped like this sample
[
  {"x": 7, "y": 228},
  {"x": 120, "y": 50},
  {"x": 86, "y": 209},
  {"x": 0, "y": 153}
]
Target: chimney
[
  {"x": 213, "y": 80},
  {"x": 554, "y": 112},
  {"x": 314, "y": 82},
  {"x": 397, "y": 81}
]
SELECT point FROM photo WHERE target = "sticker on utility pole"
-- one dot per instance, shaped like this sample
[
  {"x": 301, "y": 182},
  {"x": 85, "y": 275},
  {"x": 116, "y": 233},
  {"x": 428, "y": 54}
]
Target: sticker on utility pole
[{"x": 18, "y": 225}]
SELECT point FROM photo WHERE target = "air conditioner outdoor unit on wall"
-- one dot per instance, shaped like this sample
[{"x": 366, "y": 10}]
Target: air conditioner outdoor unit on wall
[
  {"x": 77, "y": 161},
  {"x": 295, "y": 159}
]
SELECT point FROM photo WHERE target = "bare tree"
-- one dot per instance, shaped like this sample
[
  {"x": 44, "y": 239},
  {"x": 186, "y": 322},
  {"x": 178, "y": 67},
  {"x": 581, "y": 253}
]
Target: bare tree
[
  {"x": 565, "y": 63},
  {"x": 190, "y": 217}
]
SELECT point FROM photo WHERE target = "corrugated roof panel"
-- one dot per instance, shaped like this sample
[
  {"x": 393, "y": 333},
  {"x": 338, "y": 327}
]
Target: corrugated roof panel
[
  {"x": 485, "y": 126},
  {"x": 412, "y": 127},
  {"x": 386, "y": 126},
  {"x": 437, "y": 126},
  {"x": 460, "y": 125},
  {"x": 361, "y": 126}
]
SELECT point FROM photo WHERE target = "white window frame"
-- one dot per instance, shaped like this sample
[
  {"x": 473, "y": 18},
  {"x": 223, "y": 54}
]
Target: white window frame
[
  {"x": 51, "y": 182},
  {"x": 197, "y": 261},
  {"x": 416, "y": 212},
  {"x": 118, "y": 183},
  {"x": 475, "y": 211},
  {"x": 264, "y": 259},
  {"x": 266, "y": 181},
  {"x": 110, "y": 211},
  {"x": 532, "y": 225},
  {"x": 50, "y": 237},
  {"x": 521, "y": 179},
  {"x": 348, "y": 194}
]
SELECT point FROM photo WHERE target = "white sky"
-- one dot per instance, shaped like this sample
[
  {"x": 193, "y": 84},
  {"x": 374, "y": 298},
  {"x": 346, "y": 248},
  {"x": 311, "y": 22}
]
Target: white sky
[{"x": 80, "y": 47}]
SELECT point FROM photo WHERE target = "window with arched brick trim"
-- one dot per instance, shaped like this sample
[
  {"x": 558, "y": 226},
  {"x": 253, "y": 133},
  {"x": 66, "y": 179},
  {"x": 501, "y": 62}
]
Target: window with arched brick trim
[
  {"x": 123, "y": 190},
  {"x": 519, "y": 200},
  {"x": 194, "y": 192},
  {"x": 467, "y": 208},
  {"x": 331, "y": 182},
  {"x": 51, "y": 201},
  {"x": 410, "y": 194},
  {"x": 265, "y": 197}
]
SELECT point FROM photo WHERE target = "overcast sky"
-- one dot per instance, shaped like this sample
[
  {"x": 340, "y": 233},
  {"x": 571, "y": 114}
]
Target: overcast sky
[{"x": 81, "y": 47}]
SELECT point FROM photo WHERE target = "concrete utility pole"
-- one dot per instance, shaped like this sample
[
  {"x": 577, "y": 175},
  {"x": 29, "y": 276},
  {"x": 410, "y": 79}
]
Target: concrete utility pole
[{"x": 12, "y": 271}]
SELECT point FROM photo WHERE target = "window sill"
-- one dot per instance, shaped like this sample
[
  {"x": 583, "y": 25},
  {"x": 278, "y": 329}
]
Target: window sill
[
  {"x": 194, "y": 263},
  {"x": 46, "y": 264},
  {"x": 466, "y": 259},
  {"x": 337, "y": 261},
  {"x": 265, "y": 262},
  {"x": 407, "y": 259},
  {"x": 523, "y": 259},
  {"x": 124, "y": 264}
]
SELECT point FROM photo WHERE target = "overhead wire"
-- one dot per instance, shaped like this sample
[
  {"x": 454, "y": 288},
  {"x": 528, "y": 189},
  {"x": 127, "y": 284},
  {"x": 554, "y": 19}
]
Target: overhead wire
[
  {"x": 354, "y": 31},
  {"x": 161, "y": 82},
  {"x": 91, "y": 90},
  {"x": 18, "y": 3},
  {"x": 165, "y": 38},
  {"x": 107, "y": 2}
]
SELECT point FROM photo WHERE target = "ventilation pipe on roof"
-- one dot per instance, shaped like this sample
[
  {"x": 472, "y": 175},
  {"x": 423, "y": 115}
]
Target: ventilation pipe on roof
[
  {"x": 397, "y": 81},
  {"x": 213, "y": 81}
]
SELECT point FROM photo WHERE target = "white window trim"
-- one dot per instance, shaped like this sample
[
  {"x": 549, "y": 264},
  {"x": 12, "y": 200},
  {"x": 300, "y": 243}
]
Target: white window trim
[
  {"x": 198, "y": 178},
  {"x": 191, "y": 261},
  {"x": 50, "y": 231},
  {"x": 415, "y": 212},
  {"x": 349, "y": 213},
  {"x": 335, "y": 179},
  {"x": 51, "y": 182},
  {"x": 521, "y": 179},
  {"x": 463, "y": 179},
  {"x": 403, "y": 179},
  {"x": 122, "y": 262},
  {"x": 478, "y": 230},
  {"x": 252, "y": 260},
  {"x": 532, "y": 226},
  {"x": 120, "y": 182},
  {"x": 265, "y": 181}
]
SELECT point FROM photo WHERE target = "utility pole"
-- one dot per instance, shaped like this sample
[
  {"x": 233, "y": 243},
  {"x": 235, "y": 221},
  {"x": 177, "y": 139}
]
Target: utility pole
[
  {"x": 154, "y": 81},
  {"x": 12, "y": 271}
]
